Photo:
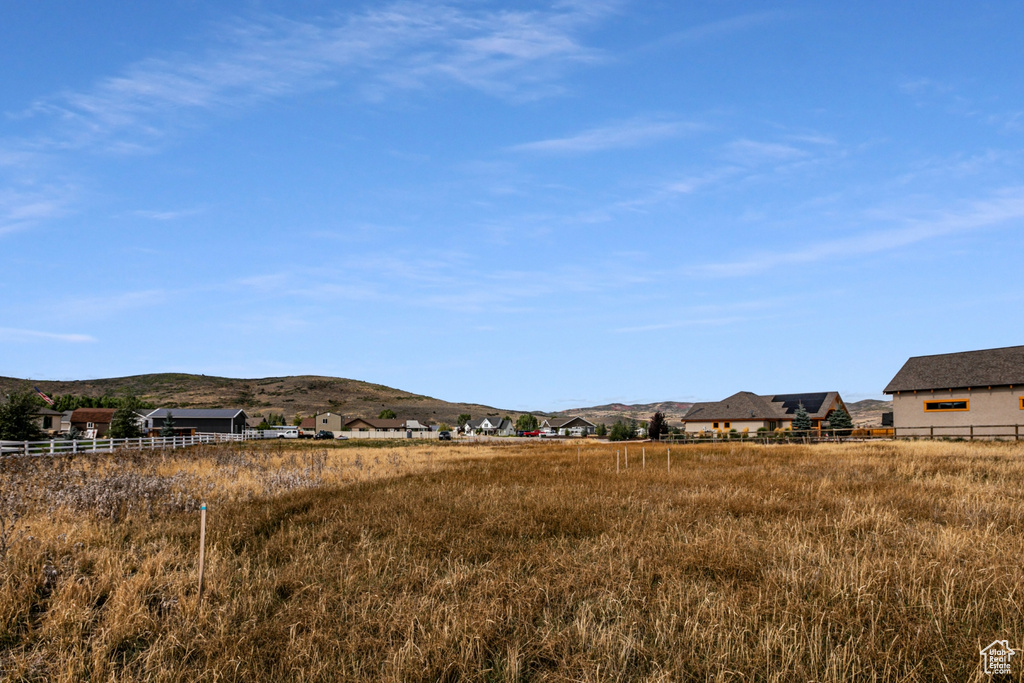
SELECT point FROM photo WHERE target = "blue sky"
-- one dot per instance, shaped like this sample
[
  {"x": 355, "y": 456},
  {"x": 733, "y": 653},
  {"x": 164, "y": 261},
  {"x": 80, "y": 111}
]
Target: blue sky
[{"x": 529, "y": 205}]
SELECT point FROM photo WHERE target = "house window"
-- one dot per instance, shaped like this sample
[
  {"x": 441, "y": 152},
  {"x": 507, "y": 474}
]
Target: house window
[
  {"x": 323, "y": 421},
  {"x": 943, "y": 406},
  {"x": 90, "y": 425},
  {"x": 47, "y": 422},
  {"x": 714, "y": 425},
  {"x": 727, "y": 425},
  {"x": 1022, "y": 402}
]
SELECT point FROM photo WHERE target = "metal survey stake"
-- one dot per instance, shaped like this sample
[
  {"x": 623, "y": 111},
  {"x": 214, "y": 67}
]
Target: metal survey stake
[{"x": 202, "y": 547}]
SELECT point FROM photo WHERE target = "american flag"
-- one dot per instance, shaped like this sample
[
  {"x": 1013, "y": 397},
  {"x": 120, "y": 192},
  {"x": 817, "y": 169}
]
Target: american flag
[{"x": 44, "y": 396}]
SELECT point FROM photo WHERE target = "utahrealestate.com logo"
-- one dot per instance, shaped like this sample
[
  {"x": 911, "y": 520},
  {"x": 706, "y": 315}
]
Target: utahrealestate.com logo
[{"x": 996, "y": 657}]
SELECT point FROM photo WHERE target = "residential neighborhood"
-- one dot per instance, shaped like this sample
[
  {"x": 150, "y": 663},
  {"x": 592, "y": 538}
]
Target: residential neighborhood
[{"x": 969, "y": 394}]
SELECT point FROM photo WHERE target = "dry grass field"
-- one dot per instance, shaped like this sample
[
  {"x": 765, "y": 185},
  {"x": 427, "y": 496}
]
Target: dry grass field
[{"x": 852, "y": 562}]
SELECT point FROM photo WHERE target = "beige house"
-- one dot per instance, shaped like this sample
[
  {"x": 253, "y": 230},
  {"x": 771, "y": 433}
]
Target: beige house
[
  {"x": 748, "y": 411},
  {"x": 967, "y": 394},
  {"x": 329, "y": 422},
  {"x": 366, "y": 424},
  {"x": 48, "y": 421}
]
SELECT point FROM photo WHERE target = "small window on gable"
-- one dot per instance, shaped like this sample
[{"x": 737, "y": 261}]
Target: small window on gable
[
  {"x": 323, "y": 421},
  {"x": 943, "y": 406}
]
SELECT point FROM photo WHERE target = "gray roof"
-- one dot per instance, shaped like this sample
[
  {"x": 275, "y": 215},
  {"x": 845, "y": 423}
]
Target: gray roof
[
  {"x": 986, "y": 368},
  {"x": 497, "y": 422},
  {"x": 198, "y": 413},
  {"x": 560, "y": 422},
  {"x": 745, "y": 405}
]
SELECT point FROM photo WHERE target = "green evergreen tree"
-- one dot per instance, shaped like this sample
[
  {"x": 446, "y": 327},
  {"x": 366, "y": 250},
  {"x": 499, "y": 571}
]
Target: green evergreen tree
[
  {"x": 463, "y": 419},
  {"x": 840, "y": 422},
  {"x": 657, "y": 426},
  {"x": 601, "y": 430},
  {"x": 801, "y": 420},
  {"x": 18, "y": 417},
  {"x": 125, "y": 422},
  {"x": 387, "y": 414},
  {"x": 167, "y": 429},
  {"x": 622, "y": 430}
]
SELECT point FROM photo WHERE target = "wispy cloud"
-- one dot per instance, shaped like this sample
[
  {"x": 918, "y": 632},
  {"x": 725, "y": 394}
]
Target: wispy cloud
[
  {"x": 1005, "y": 206},
  {"x": 167, "y": 215},
  {"x": 752, "y": 152},
  {"x": 714, "y": 30},
  {"x": 509, "y": 54},
  {"x": 21, "y": 209},
  {"x": 631, "y": 133},
  {"x": 11, "y": 334}
]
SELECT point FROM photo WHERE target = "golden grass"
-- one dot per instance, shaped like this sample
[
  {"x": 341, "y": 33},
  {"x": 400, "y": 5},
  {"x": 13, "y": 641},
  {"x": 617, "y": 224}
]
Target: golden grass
[{"x": 888, "y": 562}]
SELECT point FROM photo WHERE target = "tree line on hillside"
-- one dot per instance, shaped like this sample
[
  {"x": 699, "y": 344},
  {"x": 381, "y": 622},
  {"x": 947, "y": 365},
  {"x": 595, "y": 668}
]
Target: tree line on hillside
[{"x": 67, "y": 402}]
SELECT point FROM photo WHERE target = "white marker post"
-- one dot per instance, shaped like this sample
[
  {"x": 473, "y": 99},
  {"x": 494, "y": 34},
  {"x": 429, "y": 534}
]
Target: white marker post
[
  {"x": 627, "y": 457},
  {"x": 643, "y": 454},
  {"x": 670, "y": 460},
  {"x": 202, "y": 547}
]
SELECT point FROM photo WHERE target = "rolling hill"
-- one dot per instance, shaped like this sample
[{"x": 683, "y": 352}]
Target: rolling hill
[
  {"x": 290, "y": 396},
  {"x": 308, "y": 394}
]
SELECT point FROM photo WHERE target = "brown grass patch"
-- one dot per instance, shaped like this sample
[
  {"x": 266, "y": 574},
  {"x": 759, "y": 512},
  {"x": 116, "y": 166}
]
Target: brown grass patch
[{"x": 888, "y": 562}]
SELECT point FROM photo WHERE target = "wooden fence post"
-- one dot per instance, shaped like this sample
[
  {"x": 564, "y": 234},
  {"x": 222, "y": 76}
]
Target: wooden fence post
[
  {"x": 626, "y": 448},
  {"x": 643, "y": 456},
  {"x": 670, "y": 460},
  {"x": 202, "y": 547}
]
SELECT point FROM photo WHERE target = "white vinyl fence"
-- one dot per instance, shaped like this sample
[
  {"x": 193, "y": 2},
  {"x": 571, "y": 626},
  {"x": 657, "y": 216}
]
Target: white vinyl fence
[{"x": 67, "y": 446}]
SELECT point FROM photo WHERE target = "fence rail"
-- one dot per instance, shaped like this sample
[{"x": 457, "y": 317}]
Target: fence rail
[
  {"x": 968, "y": 432},
  {"x": 69, "y": 447}
]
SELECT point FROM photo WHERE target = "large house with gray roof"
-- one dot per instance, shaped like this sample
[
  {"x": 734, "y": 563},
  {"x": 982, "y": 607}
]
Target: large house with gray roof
[
  {"x": 971, "y": 393},
  {"x": 491, "y": 426},
  {"x": 567, "y": 426},
  {"x": 748, "y": 411},
  {"x": 210, "y": 420}
]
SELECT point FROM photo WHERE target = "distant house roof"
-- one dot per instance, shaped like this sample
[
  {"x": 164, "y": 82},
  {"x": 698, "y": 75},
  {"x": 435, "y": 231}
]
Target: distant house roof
[
  {"x": 495, "y": 422},
  {"x": 989, "y": 367},
  {"x": 94, "y": 415},
  {"x": 308, "y": 423},
  {"x": 560, "y": 422},
  {"x": 377, "y": 423},
  {"x": 197, "y": 413},
  {"x": 745, "y": 405},
  {"x": 48, "y": 411}
]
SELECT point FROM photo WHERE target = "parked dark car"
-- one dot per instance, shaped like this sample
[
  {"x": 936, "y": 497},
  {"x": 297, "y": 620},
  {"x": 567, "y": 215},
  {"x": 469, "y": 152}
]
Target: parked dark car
[
  {"x": 323, "y": 434},
  {"x": 444, "y": 436}
]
